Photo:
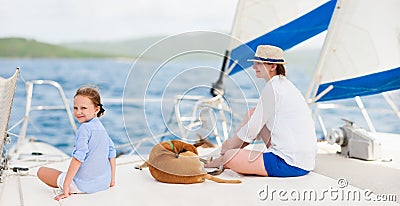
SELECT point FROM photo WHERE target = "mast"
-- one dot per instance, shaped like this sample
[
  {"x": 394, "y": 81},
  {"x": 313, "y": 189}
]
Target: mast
[{"x": 218, "y": 86}]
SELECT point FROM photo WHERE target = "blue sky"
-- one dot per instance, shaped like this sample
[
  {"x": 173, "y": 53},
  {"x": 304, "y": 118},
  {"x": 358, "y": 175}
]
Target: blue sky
[{"x": 59, "y": 21}]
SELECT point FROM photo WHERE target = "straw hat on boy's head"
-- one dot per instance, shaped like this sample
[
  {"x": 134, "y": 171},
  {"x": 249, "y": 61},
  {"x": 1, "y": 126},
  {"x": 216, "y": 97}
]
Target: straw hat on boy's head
[{"x": 269, "y": 54}]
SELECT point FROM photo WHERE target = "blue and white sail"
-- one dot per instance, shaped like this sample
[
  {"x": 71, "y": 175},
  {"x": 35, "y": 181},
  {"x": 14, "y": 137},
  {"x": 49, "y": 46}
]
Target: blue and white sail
[
  {"x": 283, "y": 23},
  {"x": 361, "y": 53}
]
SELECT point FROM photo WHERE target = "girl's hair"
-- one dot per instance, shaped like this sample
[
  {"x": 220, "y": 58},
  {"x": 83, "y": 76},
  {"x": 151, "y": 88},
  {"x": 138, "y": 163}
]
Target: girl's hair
[
  {"x": 93, "y": 94},
  {"x": 280, "y": 69}
]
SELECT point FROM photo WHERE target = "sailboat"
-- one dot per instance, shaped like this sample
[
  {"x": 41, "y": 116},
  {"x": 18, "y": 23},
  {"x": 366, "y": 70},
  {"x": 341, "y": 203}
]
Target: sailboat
[{"x": 336, "y": 180}]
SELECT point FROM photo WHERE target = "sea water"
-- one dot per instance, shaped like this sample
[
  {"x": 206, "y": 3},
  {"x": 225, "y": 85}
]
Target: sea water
[{"x": 139, "y": 97}]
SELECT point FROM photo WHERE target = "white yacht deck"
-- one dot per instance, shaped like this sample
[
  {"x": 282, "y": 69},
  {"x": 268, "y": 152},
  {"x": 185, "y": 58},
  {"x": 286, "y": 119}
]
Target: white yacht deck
[{"x": 323, "y": 186}]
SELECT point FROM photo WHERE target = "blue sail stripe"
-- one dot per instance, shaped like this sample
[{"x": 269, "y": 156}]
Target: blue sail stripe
[
  {"x": 362, "y": 86},
  {"x": 285, "y": 36}
]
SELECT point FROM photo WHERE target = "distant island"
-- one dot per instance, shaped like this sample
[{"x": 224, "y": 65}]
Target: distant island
[
  {"x": 27, "y": 48},
  {"x": 156, "y": 47}
]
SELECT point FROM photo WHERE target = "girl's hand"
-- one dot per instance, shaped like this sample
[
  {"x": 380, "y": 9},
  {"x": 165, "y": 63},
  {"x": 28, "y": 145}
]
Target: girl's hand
[
  {"x": 225, "y": 147},
  {"x": 112, "y": 183},
  {"x": 66, "y": 193},
  {"x": 61, "y": 196}
]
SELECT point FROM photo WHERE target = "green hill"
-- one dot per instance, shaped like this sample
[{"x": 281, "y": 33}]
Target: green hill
[
  {"x": 128, "y": 48},
  {"x": 25, "y": 48},
  {"x": 157, "y": 46},
  {"x": 160, "y": 46}
]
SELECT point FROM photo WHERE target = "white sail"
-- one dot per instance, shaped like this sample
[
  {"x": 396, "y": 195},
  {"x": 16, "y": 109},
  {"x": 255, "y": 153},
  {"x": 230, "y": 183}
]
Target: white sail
[
  {"x": 361, "y": 53},
  {"x": 7, "y": 90},
  {"x": 283, "y": 23},
  {"x": 255, "y": 18}
]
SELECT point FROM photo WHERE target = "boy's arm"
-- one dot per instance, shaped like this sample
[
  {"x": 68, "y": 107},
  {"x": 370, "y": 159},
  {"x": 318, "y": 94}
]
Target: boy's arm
[{"x": 113, "y": 168}]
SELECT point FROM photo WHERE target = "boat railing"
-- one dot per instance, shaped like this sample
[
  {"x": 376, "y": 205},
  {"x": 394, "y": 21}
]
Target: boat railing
[
  {"x": 360, "y": 106},
  {"x": 204, "y": 112},
  {"x": 390, "y": 101},
  {"x": 29, "y": 108},
  {"x": 203, "y": 109},
  {"x": 202, "y": 115}
]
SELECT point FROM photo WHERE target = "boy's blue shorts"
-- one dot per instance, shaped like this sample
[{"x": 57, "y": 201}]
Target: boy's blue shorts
[{"x": 277, "y": 167}]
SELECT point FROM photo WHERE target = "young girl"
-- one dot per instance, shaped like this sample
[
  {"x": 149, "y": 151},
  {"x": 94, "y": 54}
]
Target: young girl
[{"x": 92, "y": 167}]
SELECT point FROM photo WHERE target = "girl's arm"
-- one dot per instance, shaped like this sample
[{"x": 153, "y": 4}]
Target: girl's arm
[
  {"x": 72, "y": 170},
  {"x": 233, "y": 143},
  {"x": 113, "y": 168}
]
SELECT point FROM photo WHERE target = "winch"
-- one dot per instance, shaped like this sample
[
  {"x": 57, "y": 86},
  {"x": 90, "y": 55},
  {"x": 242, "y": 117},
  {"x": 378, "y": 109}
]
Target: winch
[{"x": 355, "y": 141}]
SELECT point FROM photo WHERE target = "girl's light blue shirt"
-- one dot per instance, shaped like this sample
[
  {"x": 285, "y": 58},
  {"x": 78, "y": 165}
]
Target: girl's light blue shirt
[{"x": 93, "y": 148}]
